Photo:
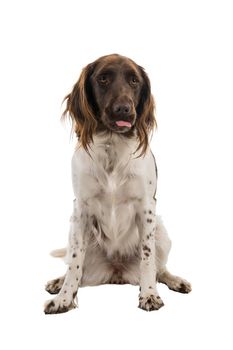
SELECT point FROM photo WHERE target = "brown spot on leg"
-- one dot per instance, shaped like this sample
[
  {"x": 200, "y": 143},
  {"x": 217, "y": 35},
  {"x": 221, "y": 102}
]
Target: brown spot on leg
[{"x": 146, "y": 248}]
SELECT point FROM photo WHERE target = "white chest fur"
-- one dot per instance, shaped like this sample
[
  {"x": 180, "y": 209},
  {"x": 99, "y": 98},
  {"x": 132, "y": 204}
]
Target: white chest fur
[{"x": 113, "y": 186}]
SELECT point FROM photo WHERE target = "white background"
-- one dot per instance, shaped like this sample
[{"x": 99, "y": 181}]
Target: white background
[{"x": 186, "y": 48}]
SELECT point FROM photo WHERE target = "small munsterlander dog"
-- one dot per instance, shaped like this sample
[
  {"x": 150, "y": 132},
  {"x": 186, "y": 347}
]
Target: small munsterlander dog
[{"x": 115, "y": 234}]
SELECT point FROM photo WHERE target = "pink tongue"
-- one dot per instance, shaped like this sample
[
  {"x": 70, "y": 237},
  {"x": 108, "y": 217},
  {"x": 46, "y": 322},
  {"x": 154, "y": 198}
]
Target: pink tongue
[{"x": 123, "y": 123}]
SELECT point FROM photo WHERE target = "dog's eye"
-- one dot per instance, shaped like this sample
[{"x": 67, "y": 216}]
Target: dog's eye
[
  {"x": 103, "y": 79},
  {"x": 134, "y": 80}
]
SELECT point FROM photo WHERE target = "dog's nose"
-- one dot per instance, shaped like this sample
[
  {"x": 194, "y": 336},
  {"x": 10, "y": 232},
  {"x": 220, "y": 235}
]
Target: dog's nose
[{"x": 121, "y": 109}]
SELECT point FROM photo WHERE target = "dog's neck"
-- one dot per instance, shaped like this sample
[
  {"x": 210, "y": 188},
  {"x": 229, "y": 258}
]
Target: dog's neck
[
  {"x": 112, "y": 151},
  {"x": 115, "y": 142}
]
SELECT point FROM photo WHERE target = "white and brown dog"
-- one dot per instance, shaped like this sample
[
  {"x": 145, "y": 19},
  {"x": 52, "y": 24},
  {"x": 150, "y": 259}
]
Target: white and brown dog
[{"x": 115, "y": 235}]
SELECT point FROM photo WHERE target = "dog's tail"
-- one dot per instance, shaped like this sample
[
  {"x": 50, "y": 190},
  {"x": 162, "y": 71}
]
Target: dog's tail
[{"x": 58, "y": 253}]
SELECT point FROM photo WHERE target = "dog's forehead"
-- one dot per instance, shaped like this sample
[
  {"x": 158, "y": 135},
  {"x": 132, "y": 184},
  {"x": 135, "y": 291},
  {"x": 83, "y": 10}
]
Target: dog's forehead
[{"x": 115, "y": 62}]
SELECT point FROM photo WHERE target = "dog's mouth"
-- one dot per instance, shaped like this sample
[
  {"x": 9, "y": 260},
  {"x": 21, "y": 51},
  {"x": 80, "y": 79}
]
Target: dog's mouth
[
  {"x": 123, "y": 123},
  {"x": 120, "y": 124}
]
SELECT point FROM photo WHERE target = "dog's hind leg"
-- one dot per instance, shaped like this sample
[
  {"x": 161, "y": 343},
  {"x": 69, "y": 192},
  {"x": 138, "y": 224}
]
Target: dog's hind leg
[
  {"x": 163, "y": 244},
  {"x": 175, "y": 283}
]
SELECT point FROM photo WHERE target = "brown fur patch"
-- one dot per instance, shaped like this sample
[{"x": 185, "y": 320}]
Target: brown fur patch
[{"x": 145, "y": 247}]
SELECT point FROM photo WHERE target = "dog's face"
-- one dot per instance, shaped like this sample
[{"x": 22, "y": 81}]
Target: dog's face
[
  {"x": 117, "y": 84},
  {"x": 112, "y": 94}
]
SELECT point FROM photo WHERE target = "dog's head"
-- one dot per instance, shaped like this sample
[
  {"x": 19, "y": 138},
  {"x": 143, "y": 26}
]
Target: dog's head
[{"x": 113, "y": 93}]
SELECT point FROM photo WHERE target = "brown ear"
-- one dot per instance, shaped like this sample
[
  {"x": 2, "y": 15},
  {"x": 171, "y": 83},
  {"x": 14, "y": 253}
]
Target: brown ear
[
  {"x": 146, "y": 121},
  {"x": 80, "y": 107}
]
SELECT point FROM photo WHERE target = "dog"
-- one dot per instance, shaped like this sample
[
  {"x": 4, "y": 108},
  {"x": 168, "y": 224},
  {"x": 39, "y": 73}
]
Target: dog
[{"x": 115, "y": 234}]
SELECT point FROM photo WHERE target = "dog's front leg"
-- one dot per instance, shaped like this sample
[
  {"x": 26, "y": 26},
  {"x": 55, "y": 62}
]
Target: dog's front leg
[
  {"x": 78, "y": 239},
  {"x": 149, "y": 298}
]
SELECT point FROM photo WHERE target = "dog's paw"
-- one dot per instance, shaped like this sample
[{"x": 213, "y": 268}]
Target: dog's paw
[
  {"x": 175, "y": 283},
  {"x": 185, "y": 287},
  {"x": 54, "y": 286},
  {"x": 150, "y": 302},
  {"x": 58, "y": 306},
  {"x": 180, "y": 285}
]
